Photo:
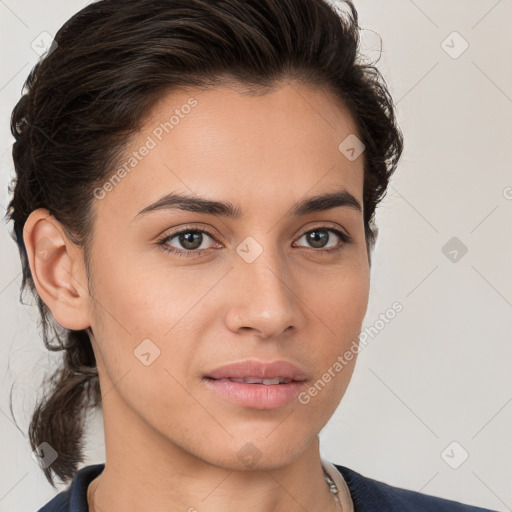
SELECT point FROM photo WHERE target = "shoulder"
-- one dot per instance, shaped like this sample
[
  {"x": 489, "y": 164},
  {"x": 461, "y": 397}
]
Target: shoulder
[
  {"x": 371, "y": 495},
  {"x": 74, "y": 497}
]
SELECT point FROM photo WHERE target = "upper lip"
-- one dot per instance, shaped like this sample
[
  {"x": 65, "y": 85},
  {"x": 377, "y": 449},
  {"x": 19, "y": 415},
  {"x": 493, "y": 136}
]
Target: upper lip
[{"x": 259, "y": 370}]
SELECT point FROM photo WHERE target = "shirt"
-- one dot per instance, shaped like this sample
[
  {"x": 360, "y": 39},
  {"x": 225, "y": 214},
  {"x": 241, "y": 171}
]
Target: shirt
[{"x": 367, "y": 494}]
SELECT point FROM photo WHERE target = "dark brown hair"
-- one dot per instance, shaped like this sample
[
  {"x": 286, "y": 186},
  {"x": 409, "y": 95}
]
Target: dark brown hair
[{"x": 110, "y": 63}]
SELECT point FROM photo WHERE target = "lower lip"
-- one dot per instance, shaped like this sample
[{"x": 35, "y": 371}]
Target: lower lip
[{"x": 257, "y": 396}]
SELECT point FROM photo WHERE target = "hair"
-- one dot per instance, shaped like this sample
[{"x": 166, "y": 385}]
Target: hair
[{"x": 108, "y": 66}]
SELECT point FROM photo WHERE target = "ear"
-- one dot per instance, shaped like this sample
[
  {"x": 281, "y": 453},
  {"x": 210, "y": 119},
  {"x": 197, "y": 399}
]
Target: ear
[{"x": 58, "y": 270}]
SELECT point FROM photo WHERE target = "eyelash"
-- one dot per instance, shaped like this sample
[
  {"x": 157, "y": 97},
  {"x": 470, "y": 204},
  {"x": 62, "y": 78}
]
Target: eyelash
[{"x": 161, "y": 242}]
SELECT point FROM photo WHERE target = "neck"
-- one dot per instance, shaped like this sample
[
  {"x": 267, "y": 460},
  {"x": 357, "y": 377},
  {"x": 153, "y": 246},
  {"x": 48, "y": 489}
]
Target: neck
[
  {"x": 297, "y": 487},
  {"x": 140, "y": 478}
]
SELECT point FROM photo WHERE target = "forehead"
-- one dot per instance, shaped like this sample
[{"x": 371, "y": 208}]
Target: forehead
[
  {"x": 232, "y": 111},
  {"x": 222, "y": 141}
]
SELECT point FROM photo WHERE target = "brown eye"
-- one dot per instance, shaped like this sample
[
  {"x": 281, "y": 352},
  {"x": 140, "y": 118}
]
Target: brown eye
[
  {"x": 325, "y": 238},
  {"x": 317, "y": 238},
  {"x": 186, "y": 242},
  {"x": 190, "y": 239}
]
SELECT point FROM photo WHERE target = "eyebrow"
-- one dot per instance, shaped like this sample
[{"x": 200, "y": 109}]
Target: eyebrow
[{"x": 327, "y": 201}]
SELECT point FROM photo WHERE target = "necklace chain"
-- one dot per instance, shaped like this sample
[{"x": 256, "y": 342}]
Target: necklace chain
[{"x": 333, "y": 489}]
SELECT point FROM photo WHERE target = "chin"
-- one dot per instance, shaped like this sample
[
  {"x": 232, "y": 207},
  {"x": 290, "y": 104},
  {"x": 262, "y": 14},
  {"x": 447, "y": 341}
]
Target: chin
[{"x": 256, "y": 452}]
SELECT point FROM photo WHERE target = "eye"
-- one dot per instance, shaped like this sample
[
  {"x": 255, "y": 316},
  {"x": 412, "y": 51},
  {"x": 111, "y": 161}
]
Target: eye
[
  {"x": 192, "y": 241},
  {"x": 321, "y": 238},
  {"x": 186, "y": 242}
]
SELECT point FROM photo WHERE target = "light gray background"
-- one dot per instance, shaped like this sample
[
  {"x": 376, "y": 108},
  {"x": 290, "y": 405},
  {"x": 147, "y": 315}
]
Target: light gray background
[{"x": 440, "y": 371}]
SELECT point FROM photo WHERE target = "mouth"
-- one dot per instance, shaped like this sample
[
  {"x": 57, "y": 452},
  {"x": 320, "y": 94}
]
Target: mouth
[
  {"x": 255, "y": 380},
  {"x": 253, "y": 371},
  {"x": 257, "y": 385}
]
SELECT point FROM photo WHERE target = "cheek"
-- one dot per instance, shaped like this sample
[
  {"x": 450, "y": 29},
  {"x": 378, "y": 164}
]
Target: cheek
[
  {"x": 337, "y": 311},
  {"x": 138, "y": 319},
  {"x": 339, "y": 300},
  {"x": 156, "y": 315},
  {"x": 144, "y": 298}
]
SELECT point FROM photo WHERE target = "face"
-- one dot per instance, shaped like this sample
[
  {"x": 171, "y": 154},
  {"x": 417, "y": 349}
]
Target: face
[{"x": 262, "y": 275}]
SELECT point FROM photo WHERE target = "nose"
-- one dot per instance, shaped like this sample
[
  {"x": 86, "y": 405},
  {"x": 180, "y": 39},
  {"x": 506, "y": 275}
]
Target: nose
[{"x": 264, "y": 297}]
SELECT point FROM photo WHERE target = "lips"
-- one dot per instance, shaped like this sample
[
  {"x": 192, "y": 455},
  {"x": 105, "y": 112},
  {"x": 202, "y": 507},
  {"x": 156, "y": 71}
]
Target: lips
[
  {"x": 256, "y": 384},
  {"x": 257, "y": 372},
  {"x": 267, "y": 382}
]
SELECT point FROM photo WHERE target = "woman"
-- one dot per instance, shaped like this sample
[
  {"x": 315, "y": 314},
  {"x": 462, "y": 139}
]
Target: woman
[{"x": 194, "y": 205}]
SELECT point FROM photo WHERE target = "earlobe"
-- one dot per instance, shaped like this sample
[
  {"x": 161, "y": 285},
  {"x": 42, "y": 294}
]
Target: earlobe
[{"x": 57, "y": 268}]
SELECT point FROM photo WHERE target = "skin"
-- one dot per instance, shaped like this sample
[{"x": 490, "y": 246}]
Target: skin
[{"x": 171, "y": 443}]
